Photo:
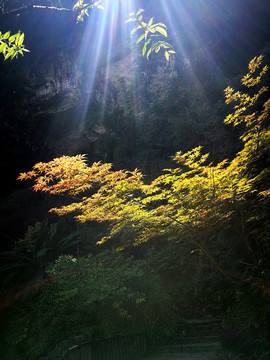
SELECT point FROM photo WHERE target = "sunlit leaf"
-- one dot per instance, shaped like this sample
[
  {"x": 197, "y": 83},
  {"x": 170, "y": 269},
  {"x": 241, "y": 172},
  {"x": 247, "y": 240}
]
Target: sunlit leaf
[
  {"x": 137, "y": 27},
  {"x": 162, "y": 31},
  {"x": 2, "y": 47},
  {"x": 12, "y": 38},
  {"x": 140, "y": 38},
  {"x": 6, "y": 35},
  {"x": 14, "y": 54},
  {"x": 17, "y": 37},
  {"x": 8, "y": 55},
  {"x": 130, "y": 19},
  {"x": 150, "y": 22},
  {"x": 139, "y": 12},
  {"x": 21, "y": 39},
  {"x": 148, "y": 53},
  {"x": 145, "y": 47}
]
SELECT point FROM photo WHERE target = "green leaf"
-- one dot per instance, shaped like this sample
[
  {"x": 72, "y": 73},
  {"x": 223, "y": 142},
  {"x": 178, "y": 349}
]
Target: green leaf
[
  {"x": 150, "y": 22},
  {"x": 139, "y": 12},
  {"x": 167, "y": 55},
  {"x": 164, "y": 44},
  {"x": 135, "y": 29},
  {"x": 140, "y": 38},
  {"x": 130, "y": 19},
  {"x": 12, "y": 38},
  {"x": 14, "y": 54},
  {"x": 6, "y": 35},
  {"x": 162, "y": 31},
  {"x": 17, "y": 38},
  {"x": 145, "y": 34},
  {"x": 21, "y": 39},
  {"x": 2, "y": 47},
  {"x": 145, "y": 47},
  {"x": 148, "y": 53},
  {"x": 153, "y": 47},
  {"x": 9, "y": 53}
]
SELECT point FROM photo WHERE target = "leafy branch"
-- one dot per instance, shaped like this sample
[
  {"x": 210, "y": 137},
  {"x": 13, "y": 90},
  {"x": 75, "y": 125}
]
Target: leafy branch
[
  {"x": 151, "y": 34},
  {"x": 82, "y": 7},
  {"x": 12, "y": 45}
]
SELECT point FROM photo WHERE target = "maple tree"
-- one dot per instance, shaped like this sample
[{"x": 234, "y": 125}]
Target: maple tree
[{"x": 191, "y": 202}]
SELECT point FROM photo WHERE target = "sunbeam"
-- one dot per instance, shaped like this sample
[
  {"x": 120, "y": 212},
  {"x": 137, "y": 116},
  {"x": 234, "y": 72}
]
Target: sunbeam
[
  {"x": 90, "y": 55},
  {"x": 190, "y": 29},
  {"x": 106, "y": 36},
  {"x": 112, "y": 33},
  {"x": 103, "y": 30}
]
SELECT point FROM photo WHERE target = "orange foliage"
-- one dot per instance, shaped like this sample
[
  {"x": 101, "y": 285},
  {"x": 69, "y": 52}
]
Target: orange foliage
[{"x": 201, "y": 198}]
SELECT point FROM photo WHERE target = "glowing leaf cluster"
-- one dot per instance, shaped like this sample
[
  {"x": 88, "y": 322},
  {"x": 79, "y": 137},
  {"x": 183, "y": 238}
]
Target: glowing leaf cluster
[
  {"x": 150, "y": 34},
  {"x": 71, "y": 176},
  {"x": 256, "y": 134},
  {"x": 12, "y": 45},
  {"x": 82, "y": 7}
]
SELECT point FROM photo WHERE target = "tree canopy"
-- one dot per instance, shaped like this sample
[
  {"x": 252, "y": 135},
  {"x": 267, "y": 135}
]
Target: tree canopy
[{"x": 190, "y": 202}]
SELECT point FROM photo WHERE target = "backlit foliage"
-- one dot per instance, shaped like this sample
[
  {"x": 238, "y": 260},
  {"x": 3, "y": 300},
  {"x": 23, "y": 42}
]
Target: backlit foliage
[
  {"x": 83, "y": 7},
  {"x": 150, "y": 34},
  {"x": 190, "y": 202},
  {"x": 12, "y": 45},
  {"x": 244, "y": 112}
]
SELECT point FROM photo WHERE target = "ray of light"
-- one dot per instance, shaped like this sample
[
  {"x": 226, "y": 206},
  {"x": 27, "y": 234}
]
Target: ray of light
[
  {"x": 89, "y": 57},
  {"x": 180, "y": 11},
  {"x": 112, "y": 28},
  {"x": 171, "y": 12},
  {"x": 98, "y": 46},
  {"x": 132, "y": 6}
]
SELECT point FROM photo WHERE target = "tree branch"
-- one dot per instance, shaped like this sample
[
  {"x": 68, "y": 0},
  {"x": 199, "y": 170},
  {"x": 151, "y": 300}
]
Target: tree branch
[{"x": 38, "y": 7}]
